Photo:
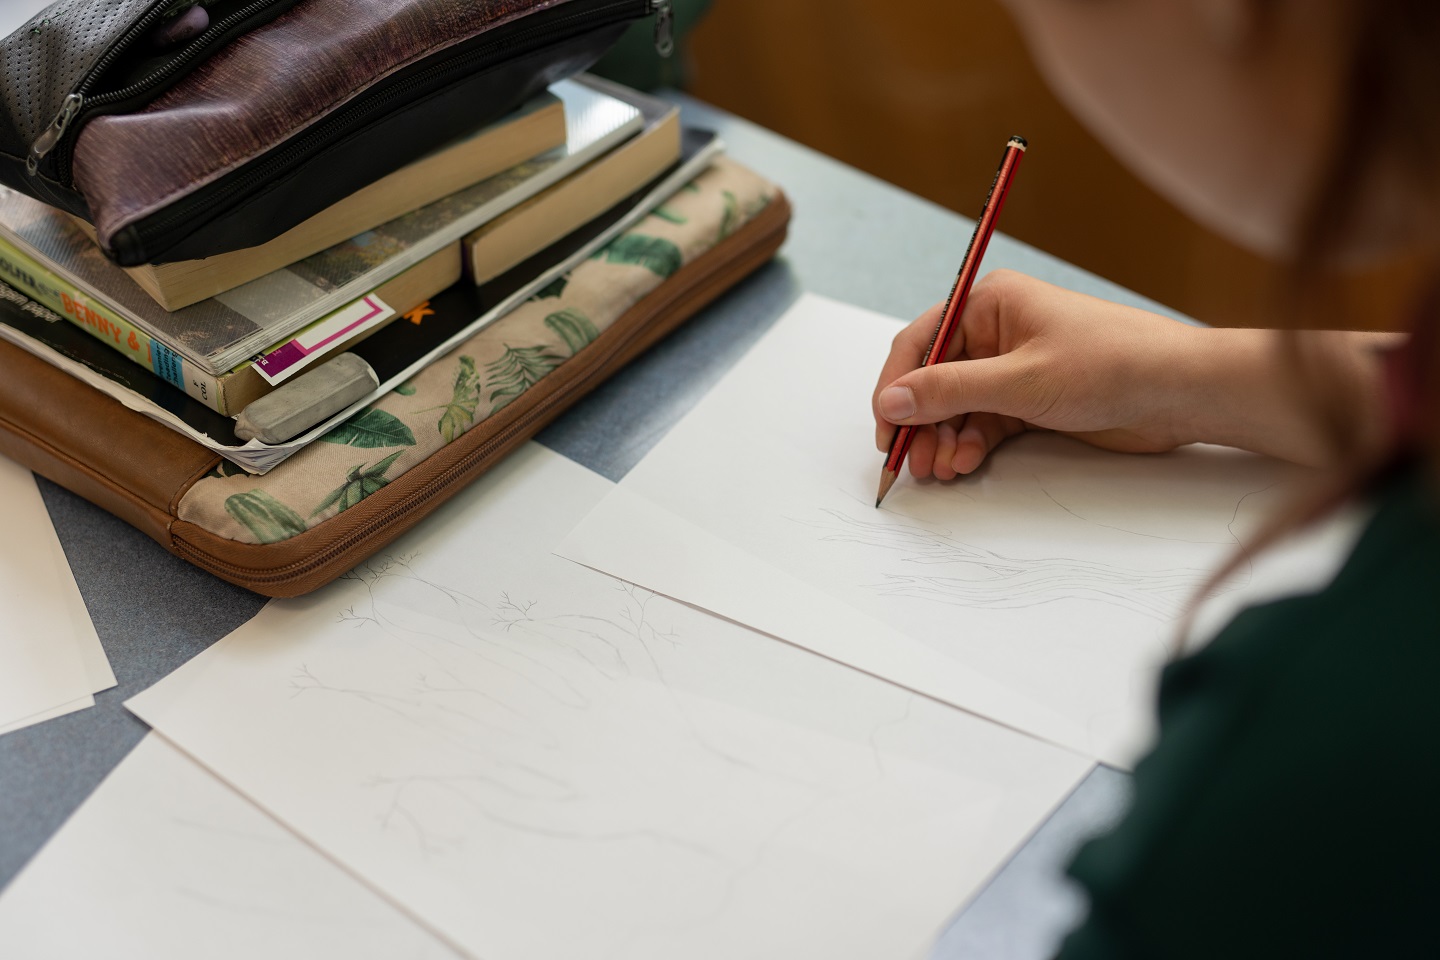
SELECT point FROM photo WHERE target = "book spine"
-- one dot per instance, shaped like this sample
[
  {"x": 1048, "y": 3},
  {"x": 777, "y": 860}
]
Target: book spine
[{"x": 26, "y": 275}]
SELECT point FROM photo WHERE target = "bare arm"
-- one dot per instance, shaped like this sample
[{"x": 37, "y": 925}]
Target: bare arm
[{"x": 1036, "y": 356}]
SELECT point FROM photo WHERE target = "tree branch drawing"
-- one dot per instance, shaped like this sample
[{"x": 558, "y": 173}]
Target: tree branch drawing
[{"x": 979, "y": 577}]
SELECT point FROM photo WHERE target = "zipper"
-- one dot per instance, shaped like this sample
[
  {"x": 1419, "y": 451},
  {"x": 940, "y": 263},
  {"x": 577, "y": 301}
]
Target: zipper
[
  {"x": 47, "y": 140},
  {"x": 150, "y": 234},
  {"x": 756, "y": 251},
  {"x": 79, "y": 99},
  {"x": 664, "y": 11}
]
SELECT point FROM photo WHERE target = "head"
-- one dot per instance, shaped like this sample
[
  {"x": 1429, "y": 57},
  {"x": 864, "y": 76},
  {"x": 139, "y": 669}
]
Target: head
[{"x": 1269, "y": 121}]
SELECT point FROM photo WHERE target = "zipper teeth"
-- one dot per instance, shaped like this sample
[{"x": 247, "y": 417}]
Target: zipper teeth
[
  {"x": 457, "y": 470},
  {"x": 180, "y": 59},
  {"x": 192, "y": 49},
  {"x": 140, "y": 27},
  {"x": 343, "y": 117}
]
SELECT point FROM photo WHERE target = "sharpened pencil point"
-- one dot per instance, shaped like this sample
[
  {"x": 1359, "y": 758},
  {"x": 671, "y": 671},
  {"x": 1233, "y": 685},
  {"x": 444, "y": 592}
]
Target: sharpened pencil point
[{"x": 887, "y": 480}]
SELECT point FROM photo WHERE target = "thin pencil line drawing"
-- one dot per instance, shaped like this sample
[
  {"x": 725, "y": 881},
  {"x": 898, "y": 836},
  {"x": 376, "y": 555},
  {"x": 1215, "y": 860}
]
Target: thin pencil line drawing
[
  {"x": 1126, "y": 530},
  {"x": 992, "y": 580},
  {"x": 766, "y": 845},
  {"x": 487, "y": 717},
  {"x": 209, "y": 899}
]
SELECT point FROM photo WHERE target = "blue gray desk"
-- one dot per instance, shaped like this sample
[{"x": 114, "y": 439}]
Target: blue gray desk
[{"x": 854, "y": 238}]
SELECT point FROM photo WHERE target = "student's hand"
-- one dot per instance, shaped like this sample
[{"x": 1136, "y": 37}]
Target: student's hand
[{"x": 1030, "y": 356}]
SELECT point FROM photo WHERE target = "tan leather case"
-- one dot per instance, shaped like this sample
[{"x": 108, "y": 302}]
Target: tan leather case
[{"x": 139, "y": 470}]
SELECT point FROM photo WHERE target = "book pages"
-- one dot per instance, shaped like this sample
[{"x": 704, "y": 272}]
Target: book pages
[
  {"x": 535, "y": 759},
  {"x": 1044, "y": 591}
]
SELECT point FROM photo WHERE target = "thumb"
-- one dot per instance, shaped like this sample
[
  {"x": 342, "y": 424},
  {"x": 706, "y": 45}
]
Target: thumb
[{"x": 933, "y": 394}]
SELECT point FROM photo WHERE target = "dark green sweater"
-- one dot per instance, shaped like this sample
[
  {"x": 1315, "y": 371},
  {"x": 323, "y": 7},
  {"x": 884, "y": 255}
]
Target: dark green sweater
[{"x": 1291, "y": 807}]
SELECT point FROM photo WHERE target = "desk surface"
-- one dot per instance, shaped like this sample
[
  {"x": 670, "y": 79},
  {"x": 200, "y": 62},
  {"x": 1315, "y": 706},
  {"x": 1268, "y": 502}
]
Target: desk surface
[{"x": 854, "y": 238}]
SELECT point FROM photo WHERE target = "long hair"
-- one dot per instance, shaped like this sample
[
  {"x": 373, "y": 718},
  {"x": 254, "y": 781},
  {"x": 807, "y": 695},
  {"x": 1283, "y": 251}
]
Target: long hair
[{"x": 1391, "y": 116}]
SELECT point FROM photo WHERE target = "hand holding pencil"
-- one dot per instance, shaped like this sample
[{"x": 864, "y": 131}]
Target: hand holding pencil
[
  {"x": 954, "y": 307},
  {"x": 1030, "y": 355}
]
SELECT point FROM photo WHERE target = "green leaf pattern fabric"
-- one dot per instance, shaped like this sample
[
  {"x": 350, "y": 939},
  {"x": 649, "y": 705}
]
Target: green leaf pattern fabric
[
  {"x": 517, "y": 370},
  {"x": 481, "y": 376},
  {"x": 574, "y": 328},
  {"x": 459, "y": 414},
  {"x": 267, "y": 519},
  {"x": 733, "y": 218},
  {"x": 655, "y": 254},
  {"x": 359, "y": 483},
  {"x": 373, "y": 428}
]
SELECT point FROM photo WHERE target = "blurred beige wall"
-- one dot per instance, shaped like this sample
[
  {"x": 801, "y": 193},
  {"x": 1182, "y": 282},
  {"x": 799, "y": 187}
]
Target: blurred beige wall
[{"x": 925, "y": 93}]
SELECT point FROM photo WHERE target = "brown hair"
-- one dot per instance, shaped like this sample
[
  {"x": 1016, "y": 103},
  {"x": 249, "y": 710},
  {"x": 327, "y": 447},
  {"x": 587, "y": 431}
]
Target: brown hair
[{"x": 1390, "y": 117}]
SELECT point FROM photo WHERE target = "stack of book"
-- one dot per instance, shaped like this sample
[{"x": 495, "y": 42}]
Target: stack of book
[{"x": 396, "y": 274}]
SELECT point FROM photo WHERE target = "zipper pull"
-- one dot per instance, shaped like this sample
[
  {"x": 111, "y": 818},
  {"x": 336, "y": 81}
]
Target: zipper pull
[
  {"x": 664, "y": 27},
  {"x": 47, "y": 140}
]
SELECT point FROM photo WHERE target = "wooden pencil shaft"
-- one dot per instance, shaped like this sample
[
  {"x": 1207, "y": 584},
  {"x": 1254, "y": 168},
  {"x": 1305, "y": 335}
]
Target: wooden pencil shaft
[{"x": 959, "y": 295}]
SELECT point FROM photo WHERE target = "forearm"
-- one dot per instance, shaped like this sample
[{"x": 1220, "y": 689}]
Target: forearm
[{"x": 1263, "y": 390}]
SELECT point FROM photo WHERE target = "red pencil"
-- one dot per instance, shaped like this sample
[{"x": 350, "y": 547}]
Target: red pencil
[{"x": 959, "y": 293}]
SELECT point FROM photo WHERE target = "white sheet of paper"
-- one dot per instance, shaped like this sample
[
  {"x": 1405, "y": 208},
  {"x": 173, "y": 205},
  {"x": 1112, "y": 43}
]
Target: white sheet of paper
[
  {"x": 1058, "y": 572},
  {"x": 51, "y": 659},
  {"x": 82, "y": 628},
  {"x": 165, "y": 862},
  {"x": 538, "y": 760}
]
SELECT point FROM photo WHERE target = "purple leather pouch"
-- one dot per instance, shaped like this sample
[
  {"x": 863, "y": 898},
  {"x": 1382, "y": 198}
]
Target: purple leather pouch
[{"x": 268, "y": 111}]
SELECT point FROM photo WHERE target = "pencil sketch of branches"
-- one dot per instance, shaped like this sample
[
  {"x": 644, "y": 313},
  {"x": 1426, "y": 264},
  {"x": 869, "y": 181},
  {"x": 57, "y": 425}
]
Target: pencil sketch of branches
[
  {"x": 765, "y": 844},
  {"x": 979, "y": 577},
  {"x": 409, "y": 797},
  {"x": 521, "y": 780},
  {"x": 633, "y": 626},
  {"x": 394, "y": 591}
]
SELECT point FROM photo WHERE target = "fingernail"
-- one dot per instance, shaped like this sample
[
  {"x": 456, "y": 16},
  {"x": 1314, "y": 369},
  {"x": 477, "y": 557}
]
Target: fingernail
[{"x": 897, "y": 403}]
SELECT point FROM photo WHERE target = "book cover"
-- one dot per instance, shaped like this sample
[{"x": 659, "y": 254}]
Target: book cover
[{"x": 217, "y": 334}]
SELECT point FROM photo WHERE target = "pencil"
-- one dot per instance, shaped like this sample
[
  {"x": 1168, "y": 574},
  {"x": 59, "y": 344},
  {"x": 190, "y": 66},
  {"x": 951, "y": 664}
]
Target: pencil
[{"x": 959, "y": 293}]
